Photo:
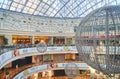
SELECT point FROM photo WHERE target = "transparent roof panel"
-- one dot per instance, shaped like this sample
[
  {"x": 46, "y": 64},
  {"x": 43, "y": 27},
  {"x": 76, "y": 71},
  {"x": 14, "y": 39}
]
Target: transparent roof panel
[{"x": 56, "y": 8}]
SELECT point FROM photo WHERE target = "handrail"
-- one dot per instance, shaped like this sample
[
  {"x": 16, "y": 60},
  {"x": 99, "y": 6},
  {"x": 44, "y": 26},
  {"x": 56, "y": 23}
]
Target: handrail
[
  {"x": 4, "y": 49},
  {"x": 15, "y": 71},
  {"x": 12, "y": 55},
  {"x": 42, "y": 67},
  {"x": 24, "y": 52}
]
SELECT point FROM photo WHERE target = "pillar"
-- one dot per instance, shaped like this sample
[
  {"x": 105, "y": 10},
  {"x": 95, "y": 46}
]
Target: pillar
[
  {"x": 92, "y": 72},
  {"x": 33, "y": 40},
  {"x": 36, "y": 76},
  {"x": 66, "y": 40},
  {"x": 1, "y": 23},
  {"x": 51, "y": 40},
  {"x": 73, "y": 40}
]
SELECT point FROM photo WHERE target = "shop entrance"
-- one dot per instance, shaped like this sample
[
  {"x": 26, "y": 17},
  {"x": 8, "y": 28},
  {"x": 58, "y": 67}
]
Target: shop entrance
[{"x": 21, "y": 39}]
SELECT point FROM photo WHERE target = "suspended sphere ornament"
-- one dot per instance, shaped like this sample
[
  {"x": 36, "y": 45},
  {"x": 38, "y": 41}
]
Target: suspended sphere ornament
[
  {"x": 98, "y": 39},
  {"x": 41, "y": 47},
  {"x": 71, "y": 70}
]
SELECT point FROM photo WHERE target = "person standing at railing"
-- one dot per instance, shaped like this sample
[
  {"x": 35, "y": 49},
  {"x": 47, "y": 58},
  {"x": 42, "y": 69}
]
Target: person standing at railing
[
  {"x": 4, "y": 77},
  {"x": 7, "y": 75}
]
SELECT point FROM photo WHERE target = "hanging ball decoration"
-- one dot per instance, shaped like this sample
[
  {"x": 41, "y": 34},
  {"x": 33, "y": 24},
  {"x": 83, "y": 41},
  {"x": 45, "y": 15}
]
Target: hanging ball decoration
[
  {"x": 71, "y": 70},
  {"x": 98, "y": 39},
  {"x": 41, "y": 47}
]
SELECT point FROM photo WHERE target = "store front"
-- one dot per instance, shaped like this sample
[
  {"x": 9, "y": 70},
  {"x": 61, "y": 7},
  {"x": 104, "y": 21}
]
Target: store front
[
  {"x": 59, "y": 40},
  {"x": 38, "y": 39},
  {"x": 1, "y": 40},
  {"x": 21, "y": 39}
]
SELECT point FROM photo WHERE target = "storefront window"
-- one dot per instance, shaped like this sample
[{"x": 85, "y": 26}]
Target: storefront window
[{"x": 59, "y": 40}]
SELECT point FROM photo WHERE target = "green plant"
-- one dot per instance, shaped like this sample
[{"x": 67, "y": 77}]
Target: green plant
[
  {"x": 109, "y": 76},
  {"x": 5, "y": 41}
]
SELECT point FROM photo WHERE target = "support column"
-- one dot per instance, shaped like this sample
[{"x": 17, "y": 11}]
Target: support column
[
  {"x": 92, "y": 72},
  {"x": 73, "y": 40},
  {"x": 65, "y": 40},
  {"x": 119, "y": 42},
  {"x": 1, "y": 24},
  {"x": 36, "y": 76},
  {"x": 51, "y": 41},
  {"x": 33, "y": 40}
]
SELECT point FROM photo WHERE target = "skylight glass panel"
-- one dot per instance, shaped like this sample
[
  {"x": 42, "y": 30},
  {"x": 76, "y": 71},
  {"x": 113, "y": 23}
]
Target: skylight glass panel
[
  {"x": 36, "y": 12},
  {"x": 92, "y": 2},
  {"x": 5, "y": 1},
  {"x": 56, "y": 3},
  {"x": 4, "y": 6},
  {"x": 12, "y": 8},
  {"x": 37, "y": 1},
  {"x": 56, "y": 8},
  {"x": 29, "y": 4},
  {"x": 0, "y": 5},
  {"x": 44, "y": 0},
  {"x": 18, "y": 9},
  {"x": 22, "y": 1},
  {"x": 47, "y": 1},
  {"x": 31, "y": 11},
  {"x": 1, "y": 1},
  {"x": 17, "y": 1},
  {"x": 88, "y": 6},
  {"x": 14, "y": 4},
  {"x": 43, "y": 10},
  {"x": 48, "y": 12},
  {"x": 41, "y": 13},
  {"x": 113, "y": 3},
  {"x": 42, "y": 4},
  {"x": 39, "y": 8},
  {"x": 26, "y": 9},
  {"x": 9, "y": 2},
  {"x": 99, "y": 4},
  {"x": 33, "y": 6},
  {"x": 53, "y": 12},
  {"x": 46, "y": 6},
  {"x": 7, "y": 7},
  {"x": 20, "y": 6},
  {"x": 51, "y": 9}
]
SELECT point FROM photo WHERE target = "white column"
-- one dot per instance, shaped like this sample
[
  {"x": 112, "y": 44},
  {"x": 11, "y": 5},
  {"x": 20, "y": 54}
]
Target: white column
[
  {"x": 92, "y": 72},
  {"x": 51, "y": 41},
  {"x": 73, "y": 40},
  {"x": 65, "y": 40},
  {"x": 36, "y": 76},
  {"x": 1, "y": 23},
  {"x": 33, "y": 40}
]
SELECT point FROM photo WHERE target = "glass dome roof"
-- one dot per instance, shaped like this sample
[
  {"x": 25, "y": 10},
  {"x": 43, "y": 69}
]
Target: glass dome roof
[{"x": 56, "y": 8}]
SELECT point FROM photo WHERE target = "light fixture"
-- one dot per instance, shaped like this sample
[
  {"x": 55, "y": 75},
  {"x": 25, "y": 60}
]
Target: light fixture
[
  {"x": 89, "y": 36},
  {"x": 41, "y": 47},
  {"x": 71, "y": 70}
]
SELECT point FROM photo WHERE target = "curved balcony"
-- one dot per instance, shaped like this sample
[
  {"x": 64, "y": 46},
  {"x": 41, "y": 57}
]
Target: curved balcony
[
  {"x": 12, "y": 55},
  {"x": 44, "y": 67},
  {"x": 15, "y": 71}
]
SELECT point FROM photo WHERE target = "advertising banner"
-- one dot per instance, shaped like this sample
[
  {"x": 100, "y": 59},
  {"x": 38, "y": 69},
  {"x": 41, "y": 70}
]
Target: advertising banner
[
  {"x": 5, "y": 57},
  {"x": 34, "y": 69}
]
